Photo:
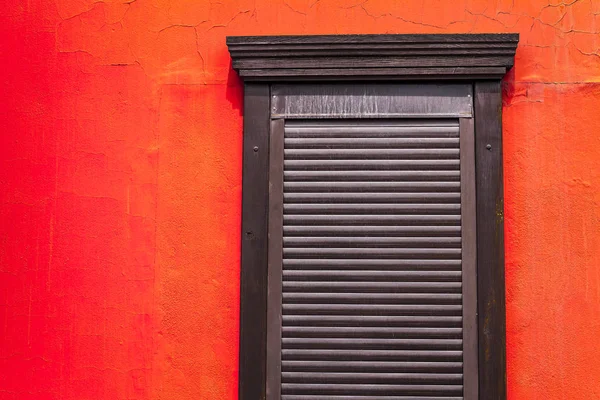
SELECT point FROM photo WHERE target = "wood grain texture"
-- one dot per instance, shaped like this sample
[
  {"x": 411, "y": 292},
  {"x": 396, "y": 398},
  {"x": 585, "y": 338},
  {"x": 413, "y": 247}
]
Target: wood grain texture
[
  {"x": 373, "y": 73},
  {"x": 400, "y": 57},
  {"x": 433, "y": 40},
  {"x": 479, "y": 60},
  {"x": 490, "y": 240},
  {"x": 469, "y": 259},
  {"x": 371, "y": 61},
  {"x": 371, "y": 100},
  {"x": 253, "y": 286},
  {"x": 275, "y": 259}
]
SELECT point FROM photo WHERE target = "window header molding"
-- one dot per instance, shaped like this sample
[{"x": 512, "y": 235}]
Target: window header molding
[{"x": 373, "y": 57}]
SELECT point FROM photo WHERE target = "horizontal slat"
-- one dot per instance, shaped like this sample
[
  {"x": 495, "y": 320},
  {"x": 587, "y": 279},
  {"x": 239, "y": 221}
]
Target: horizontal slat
[
  {"x": 373, "y": 275},
  {"x": 371, "y": 186},
  {"x": 369, "y": 230},
  {"x": 382, "y": 366},
  {"x": 380, "y": 175},
  {"x": 370, "y": 208},
  {"x": 369, "y": 143},
  {"x": 371, "y": 309},
  {"x": 369, "y": 123},
  {"x": 329, "y": 129},
  {"x": 369, "y": 298},
  {"x": 377, "y": 286},
  {"x": 397, "y": 378},
  {"x": 338, "y": 388},
  {"x": 385, "y": 241},
  {"x": 370, "y": 332},
  {"x": 373, "y": 355},
  {"x": 371, "y": 344},
  {"x": 372, "y": 264},
  {"x": 421, "y": 253},
  {"x": 367, "y": 219},
  {"x": 376, "y": 197},
  {"x": 326, "y": 164},
  {"x": 383, "y": 287},
  {"x": 370, "y": 153},
  {"x": 367, "y": 397},
  {"x": 372, "y": 320}
]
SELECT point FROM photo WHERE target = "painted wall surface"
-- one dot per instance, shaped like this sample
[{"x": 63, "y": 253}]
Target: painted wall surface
[{"x": 120, "y": 178}]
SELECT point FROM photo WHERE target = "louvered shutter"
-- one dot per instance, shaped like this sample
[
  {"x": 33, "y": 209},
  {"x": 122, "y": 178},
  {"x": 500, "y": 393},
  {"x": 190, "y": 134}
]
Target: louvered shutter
[{"x": 371, "y": 300}]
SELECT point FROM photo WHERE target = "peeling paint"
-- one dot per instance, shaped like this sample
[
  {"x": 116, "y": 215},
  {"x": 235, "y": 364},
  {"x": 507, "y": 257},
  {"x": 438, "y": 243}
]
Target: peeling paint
[{"x": 121, "y": 173}]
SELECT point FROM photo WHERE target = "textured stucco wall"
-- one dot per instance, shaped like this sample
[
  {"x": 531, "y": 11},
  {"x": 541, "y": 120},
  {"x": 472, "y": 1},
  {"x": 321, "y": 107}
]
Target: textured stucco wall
[{"x": 120, "y": 177}]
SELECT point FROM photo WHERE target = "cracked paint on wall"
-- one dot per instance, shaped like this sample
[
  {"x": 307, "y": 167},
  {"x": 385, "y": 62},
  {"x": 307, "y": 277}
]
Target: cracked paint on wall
[{"x": 120, "y": 167}]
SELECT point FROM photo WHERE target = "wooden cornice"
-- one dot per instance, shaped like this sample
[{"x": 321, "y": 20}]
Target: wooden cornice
[{"x": 373, "y": 57}]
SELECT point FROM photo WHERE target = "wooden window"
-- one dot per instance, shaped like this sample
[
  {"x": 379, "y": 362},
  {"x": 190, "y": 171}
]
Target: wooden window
[{"x": 372, "y": 234}]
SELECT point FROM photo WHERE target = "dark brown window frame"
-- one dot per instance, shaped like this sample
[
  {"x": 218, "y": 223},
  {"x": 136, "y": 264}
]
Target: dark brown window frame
[{"x": 478, "y": 59}]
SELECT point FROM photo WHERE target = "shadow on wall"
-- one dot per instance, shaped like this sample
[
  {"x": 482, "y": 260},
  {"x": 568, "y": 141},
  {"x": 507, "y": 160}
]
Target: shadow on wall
[{"x": 235, "y": 93}]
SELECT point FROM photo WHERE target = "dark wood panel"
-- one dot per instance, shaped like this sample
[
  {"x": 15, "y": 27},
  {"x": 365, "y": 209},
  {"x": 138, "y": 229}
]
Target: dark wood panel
[
  {"x": 371, "y": 100},
  {"x": 398, "y": 57},
  {"x": 253, "y": 286},
  {"x": 396, "y": 74},
  {"x": 372, "y": 61},
  {"x": 368, "y": 50},
  {"x": 469, "y": 259},
  {"x": 275, "y": 260},
  {"x": 490, "y": 240},
  {"x": 441, "y": 40}
]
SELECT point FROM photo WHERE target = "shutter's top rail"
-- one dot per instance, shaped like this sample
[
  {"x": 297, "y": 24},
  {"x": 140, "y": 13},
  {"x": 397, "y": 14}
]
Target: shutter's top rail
[{"x": 371, "y": 100}]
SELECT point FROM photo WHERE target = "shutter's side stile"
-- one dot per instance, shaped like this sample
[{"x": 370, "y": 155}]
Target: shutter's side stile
[
  {"x": 274, "y": 277},
  {"x": 469, "y": 258}
]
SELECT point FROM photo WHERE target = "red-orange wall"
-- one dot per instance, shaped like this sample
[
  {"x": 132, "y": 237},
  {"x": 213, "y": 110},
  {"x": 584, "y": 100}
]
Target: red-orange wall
[{"x": 120, "y": 188}]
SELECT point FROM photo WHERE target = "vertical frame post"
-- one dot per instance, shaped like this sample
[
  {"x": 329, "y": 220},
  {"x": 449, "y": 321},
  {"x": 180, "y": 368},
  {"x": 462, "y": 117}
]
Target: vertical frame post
[
  {"x": 490, "y": 240},
  {"x": 253, "y": 286}
]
